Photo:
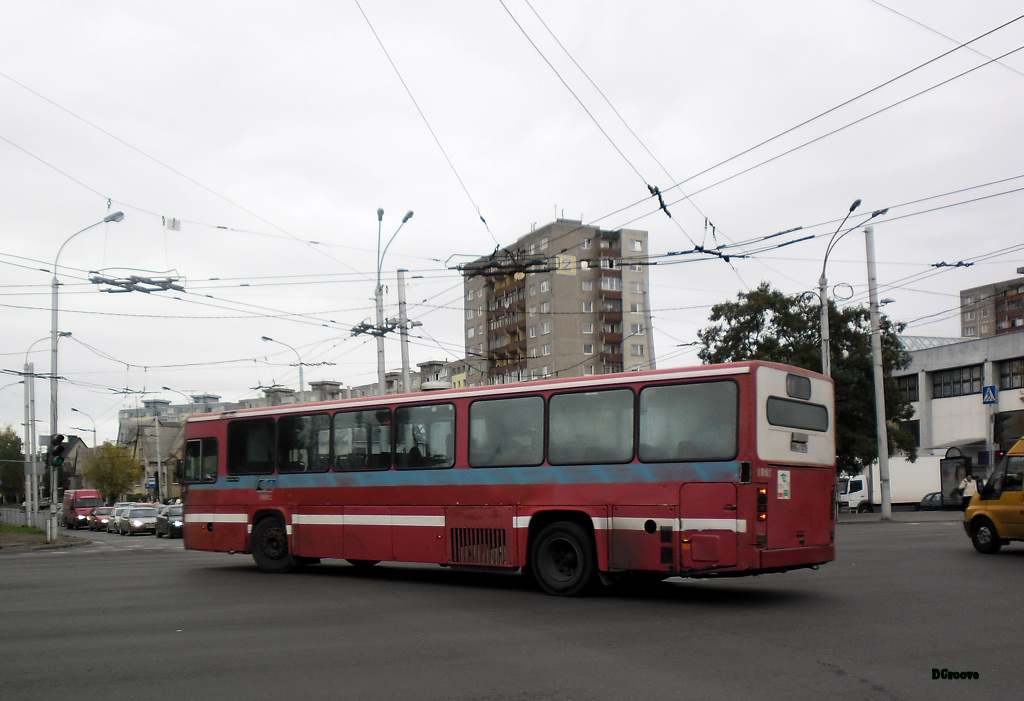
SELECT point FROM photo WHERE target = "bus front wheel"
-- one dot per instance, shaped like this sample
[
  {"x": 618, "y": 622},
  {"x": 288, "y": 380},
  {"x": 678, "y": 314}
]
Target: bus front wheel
[
  {"x": 563, "y": 559},
  {"x": 270, "y": 546},
  {"x": 985, "y": 537}
]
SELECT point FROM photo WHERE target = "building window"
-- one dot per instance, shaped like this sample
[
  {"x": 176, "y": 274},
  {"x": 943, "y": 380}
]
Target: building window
[
  {"x": 588, "y": 370},
  {"x": 636, "y": 329},
  {"x": 543, "y": 245},
  {"x": 609, "y": 264},
  {"x": 545, "y": 328},
  {"x": 970, "y": 331},
  {"x": 588, "y": 349},
  {"x": 1011, "y": 374},
  {"x": 587, "y": 285},
  {"x": 637, "y": 349},
  {"x": 969, "y": 316},
  {"x": 545, "y": 307},
  {"x": 636, "y": 286},
  {"x": 545, "y": 349},
  {"x": 605, "y": 243},
  {"x": 957, "y": 382},
  {"x": 585, "y": 244},
  {"x": 531, "y": 310},
  {"x": 469, "y": 314},
  {"x": 545, "y": 286},
  {"x": 636, "y": 308},
  {"x": 611, "y": 284},
  {"x": 637, "y": 244},
  {"x": 533, "y": 290},
  {"x": 908, "y": 386},
  {"x": 588, "y": 307},
  {"x": 533, "y": 332},
  {"x": 636, "y": 267},
  {"x": 588, "y": 327},
  {"x": 470, "y": 332}
]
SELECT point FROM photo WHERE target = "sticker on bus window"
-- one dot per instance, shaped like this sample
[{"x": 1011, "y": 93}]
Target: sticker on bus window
[{"x": 783, "y": 492}]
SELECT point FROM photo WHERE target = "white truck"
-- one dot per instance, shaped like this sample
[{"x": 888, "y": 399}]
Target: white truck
[{"x": 909, "y": 482}]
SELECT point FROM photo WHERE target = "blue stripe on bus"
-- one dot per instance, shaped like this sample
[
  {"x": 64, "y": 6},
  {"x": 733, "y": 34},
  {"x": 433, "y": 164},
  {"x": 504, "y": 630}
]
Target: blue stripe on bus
[{"x": 566, "y": 474}]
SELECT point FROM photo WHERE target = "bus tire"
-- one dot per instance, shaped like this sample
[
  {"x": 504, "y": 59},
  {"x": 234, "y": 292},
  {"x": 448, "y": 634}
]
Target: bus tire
[
  {"x": 985, "y": 537},
  {"x": 563, "y": 559},
  {"x": 270, "y": 546}
]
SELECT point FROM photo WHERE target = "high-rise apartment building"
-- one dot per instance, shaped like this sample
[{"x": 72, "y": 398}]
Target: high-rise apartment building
[
  {"x": 566, "y": 300},
  {"x": 992, "y": 310}
]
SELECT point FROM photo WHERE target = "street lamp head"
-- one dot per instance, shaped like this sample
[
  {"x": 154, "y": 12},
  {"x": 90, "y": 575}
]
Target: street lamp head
[
  {"x": 854, "y": 206},
  {"x": 407, "y": 217},
  {"x": 266, "y": 338},
  {"x": 880, "y": 212},
  {"x": 116, "y": 216},
  {"x": 380, "y": 215}
]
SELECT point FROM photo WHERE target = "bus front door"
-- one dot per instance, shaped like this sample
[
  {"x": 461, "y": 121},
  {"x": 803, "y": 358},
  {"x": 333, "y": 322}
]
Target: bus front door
[{"x": 708, "y": 524}]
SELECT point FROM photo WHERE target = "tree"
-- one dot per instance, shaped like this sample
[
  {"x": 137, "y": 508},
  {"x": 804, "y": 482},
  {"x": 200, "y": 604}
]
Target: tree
[
  {"x": 112, "y": 470},
  {"x": 12, "y": 466},
  {"x": 765, "y": 324}
]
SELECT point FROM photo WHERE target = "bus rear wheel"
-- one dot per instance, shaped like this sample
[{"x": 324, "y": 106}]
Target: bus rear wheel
[
  {"x": 563, "y": 560},
  {"x": 270, "y": 546}
]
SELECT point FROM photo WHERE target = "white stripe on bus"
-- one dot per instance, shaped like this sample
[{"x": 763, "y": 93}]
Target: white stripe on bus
[{"x": 600, "y": 523}]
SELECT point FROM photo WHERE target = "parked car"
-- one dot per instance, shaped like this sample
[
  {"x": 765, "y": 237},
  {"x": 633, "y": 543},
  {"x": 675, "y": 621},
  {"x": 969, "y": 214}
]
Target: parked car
[
  {"x": 98, "y": 518},
  {"x": 137, "y": 519},
  {"x": 933, "y": 502},
  {"x": 116, "y": 511},
  {"x": 169, "y": 520}
]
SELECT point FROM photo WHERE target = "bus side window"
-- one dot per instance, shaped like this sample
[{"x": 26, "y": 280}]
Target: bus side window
[
  {"x": 696, "y": 421},
  {"x": 362, "y": 440},
  {"x": 506, "y": 432},
  {"x": 425, "y": 437},
  {"x": 303, "y": 443},
  {"x": 200, "y": 464},
  {"x": 251, "y": 447},
  {"x": 591, "y": 427}
]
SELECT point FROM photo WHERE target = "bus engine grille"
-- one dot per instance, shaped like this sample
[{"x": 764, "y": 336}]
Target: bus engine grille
[{"x": 479, "y": 546}]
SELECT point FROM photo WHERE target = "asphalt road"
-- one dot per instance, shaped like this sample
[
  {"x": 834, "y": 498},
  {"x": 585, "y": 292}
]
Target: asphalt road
[{"x": 141, "y": 618}]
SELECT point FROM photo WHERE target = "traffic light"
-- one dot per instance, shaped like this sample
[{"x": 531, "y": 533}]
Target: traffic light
[{"x": 57, "y": 449}]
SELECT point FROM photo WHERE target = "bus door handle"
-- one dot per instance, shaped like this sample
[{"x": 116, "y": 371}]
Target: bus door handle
[{"x": 729, "y": 507}]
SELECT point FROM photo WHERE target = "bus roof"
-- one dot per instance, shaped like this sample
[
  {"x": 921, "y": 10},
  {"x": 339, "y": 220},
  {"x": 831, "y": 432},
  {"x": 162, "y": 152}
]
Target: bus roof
[{"x": 589, "y": 381}]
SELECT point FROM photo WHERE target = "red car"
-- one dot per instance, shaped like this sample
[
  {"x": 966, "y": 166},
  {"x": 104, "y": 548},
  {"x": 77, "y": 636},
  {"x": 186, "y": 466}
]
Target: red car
[{"x": 98, "y": 517}]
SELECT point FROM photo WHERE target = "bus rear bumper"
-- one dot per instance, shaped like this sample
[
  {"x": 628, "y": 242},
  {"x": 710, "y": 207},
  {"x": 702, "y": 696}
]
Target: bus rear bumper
[{"x": 797, "y": 557}]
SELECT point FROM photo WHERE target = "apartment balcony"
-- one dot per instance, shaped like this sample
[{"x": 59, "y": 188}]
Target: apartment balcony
[{"x": 610, "y": 338}]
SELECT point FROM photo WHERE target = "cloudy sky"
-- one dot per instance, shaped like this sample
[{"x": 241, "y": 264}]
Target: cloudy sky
[{"x": 272, "y": 132}]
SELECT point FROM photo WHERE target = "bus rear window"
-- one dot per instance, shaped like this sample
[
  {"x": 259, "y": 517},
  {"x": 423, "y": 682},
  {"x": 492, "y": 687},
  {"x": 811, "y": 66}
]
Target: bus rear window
[{"x": 793, "y": 414}]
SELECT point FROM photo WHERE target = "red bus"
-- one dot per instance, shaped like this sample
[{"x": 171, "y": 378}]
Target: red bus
[{"x": 718, "y": 470}]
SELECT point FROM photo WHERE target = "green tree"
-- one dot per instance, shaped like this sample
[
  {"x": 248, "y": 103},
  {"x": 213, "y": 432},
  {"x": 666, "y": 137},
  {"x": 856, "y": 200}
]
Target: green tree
[
  {"x": 12, "y": 466},
  {"x": 112, "y": 470},
  {"x": 765, "y": 324}
]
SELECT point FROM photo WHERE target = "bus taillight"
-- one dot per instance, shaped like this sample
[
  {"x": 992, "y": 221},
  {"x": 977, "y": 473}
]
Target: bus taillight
[{"x": 762, "y": 504}]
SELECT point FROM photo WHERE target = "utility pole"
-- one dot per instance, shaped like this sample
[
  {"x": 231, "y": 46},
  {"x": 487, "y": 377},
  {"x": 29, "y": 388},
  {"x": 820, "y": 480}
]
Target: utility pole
[
  {"x": 876, "y": 354},
  {"x": 403, "y": 331}
]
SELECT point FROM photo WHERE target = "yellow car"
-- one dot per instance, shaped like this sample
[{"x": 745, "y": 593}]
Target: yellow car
[{"x": 995, "y": 515}]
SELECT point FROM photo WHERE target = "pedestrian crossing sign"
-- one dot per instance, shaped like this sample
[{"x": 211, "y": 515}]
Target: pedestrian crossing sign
[{"x": 988, "y": 394}]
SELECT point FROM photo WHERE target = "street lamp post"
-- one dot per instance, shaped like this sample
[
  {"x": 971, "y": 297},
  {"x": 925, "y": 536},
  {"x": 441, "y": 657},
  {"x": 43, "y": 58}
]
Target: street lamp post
[
  {"x": 379, "y": 296},
  {"x": 54, "y": 285},
  {"x": 79, "y": 411},
  {"x": 826, "y": 360},
  {"x": 187, "y": 398},
  {"x": 302, "y": 382}
]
